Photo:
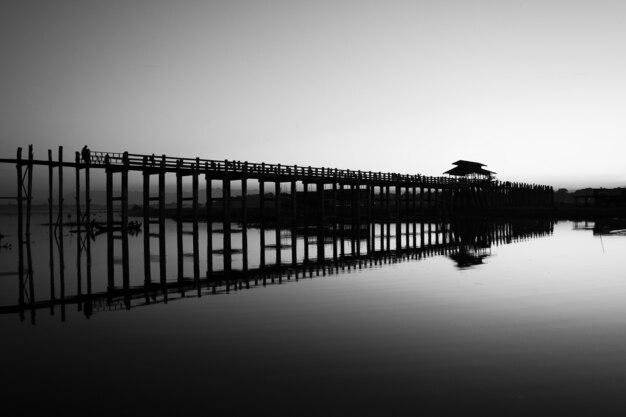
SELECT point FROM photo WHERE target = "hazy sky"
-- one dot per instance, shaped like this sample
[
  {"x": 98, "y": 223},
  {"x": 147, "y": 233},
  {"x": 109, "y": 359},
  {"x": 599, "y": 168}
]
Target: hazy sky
[{"x": 534, "y": 89}]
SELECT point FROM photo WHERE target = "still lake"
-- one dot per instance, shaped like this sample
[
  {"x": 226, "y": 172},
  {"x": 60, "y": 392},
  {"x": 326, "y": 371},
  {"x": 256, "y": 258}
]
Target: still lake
[{"x": 537, "y": 328}]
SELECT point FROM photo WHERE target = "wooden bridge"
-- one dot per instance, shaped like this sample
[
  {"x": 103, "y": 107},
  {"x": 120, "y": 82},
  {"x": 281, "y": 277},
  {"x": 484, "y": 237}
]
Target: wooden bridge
[{"x": 315, "y": 203}]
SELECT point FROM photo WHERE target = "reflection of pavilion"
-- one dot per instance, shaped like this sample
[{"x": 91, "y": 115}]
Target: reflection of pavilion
[
  {"x": 474, "y": 239},
  {"x": 466, "y": 257}
]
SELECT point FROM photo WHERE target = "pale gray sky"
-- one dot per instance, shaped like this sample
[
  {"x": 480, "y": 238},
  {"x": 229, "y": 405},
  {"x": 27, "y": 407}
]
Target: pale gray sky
[{"x": 534, "y": 89}]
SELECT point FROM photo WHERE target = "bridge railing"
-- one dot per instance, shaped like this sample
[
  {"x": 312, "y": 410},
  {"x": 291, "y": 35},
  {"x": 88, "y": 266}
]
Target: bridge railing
[{"x": 302, "y": 172}]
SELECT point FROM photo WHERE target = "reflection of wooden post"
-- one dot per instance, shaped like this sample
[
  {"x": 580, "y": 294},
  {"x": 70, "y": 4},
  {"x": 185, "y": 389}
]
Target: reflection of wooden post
[{"x": 29, "y": 264}]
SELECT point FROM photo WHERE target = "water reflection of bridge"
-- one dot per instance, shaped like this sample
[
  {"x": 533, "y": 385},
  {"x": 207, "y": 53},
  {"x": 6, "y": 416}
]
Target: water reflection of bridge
[{"x": 467, "y": 243}]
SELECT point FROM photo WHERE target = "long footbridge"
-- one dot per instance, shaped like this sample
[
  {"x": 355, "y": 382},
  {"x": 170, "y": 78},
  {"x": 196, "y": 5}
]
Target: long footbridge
[{"x": 287, "y": 203}]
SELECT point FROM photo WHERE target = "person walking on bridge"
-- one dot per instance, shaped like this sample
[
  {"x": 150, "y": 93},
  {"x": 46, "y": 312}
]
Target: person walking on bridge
[{"x": 85, "y": 154}]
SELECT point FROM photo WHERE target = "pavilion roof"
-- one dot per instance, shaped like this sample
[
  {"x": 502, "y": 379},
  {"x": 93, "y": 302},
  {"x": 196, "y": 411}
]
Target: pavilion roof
[{"x": 463, "y": 168}]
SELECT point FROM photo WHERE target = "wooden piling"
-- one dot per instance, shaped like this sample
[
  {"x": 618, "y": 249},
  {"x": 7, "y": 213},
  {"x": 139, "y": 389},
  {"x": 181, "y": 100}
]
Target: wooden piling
[
  {"x": 146, "y": 223},
  {"x": 162, "y": 258},
  {"x": 294, "y": 219},
  {"x": 226, "y": 221},
  {"x": 195, "y": 226},
  {"x": 262, "y": 220},
  {"x": 209, "y": 223},
  {"x": 20, "y": 225},
  {"x": 179, "y": 221},
  {"x": 244, "y": 219},
  {"x": 79, "y": 229},
  {"x": 277, "y": 219},
  {"x": 51, "y": 227}
]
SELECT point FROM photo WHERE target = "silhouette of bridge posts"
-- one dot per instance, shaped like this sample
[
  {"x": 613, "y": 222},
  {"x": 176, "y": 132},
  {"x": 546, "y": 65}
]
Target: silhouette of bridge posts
[
  {"x": 277, "y": 217},
  {"x": 209, "y": 223},
  {"x": 83, "y": 221},
  {"x": 294, "y": 217},
  {"x": 122, "y": 198},
  {"x": 24, "y": 194}
]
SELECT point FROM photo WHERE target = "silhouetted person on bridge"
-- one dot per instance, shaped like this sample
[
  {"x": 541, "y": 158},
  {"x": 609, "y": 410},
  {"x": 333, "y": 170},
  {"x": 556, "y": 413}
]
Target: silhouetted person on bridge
[{"x": 85, "y": 154}]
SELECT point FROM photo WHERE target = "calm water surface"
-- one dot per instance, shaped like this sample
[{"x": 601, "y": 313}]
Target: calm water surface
[{"x": 539, "y": 328}]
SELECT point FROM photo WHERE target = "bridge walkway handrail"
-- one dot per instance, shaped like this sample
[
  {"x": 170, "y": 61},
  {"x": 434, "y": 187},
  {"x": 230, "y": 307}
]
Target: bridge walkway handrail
[{"x": 301, "y": 172}]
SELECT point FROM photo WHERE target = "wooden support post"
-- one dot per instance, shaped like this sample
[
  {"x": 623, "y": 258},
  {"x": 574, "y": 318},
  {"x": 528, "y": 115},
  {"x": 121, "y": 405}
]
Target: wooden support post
[
  {"x": 414, "y": 215},
  {"x": 306, "y": 220},
  {"x": 358, "y": 215},
  {"x": 370, "y": 240},
  {"x": 226, "y": 221},
  {"x": 335, "y": 220},
  {"x": 146, "y": 223},
  {"x": 20, "y": 226},
  {"x": 195, "y": 227},
  {"x": 162, "y": 259},
  {"x": 398, "y": 216},
  {"x": 406, "y": 218},
  {"x": 353, "y": 218},
  {"x": 342, "y": 219},
  {"x": 110, "y": 247},
  {"x": 388, "y": 215},
  {"x": 88, "y": 223},
  {"x": 262, "y": 221},
  {"x": 320, "y": 222},
  {"x": 209, "y": 222},
  {"x": 29, "y": 190},
  {"x": 277, "y": 218},
  {"x": 179, "y": 222},
  {"x": 50, "y": 226},
  {"x": 244, "y": 219},
  {"x": 60, "y": 235},
  {"x": 79, "y": 230},
  {"x": 294, "y": 219},
  {"x": 125, "y": 248}
]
